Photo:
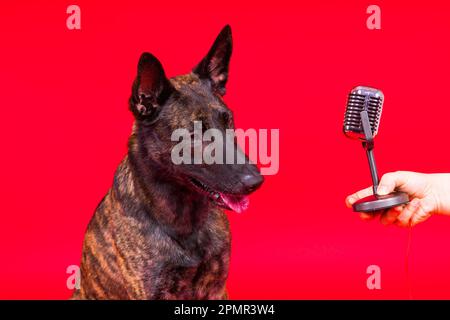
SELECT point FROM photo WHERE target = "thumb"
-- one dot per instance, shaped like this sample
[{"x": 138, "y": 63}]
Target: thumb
[{"x": 391, "y": 181}]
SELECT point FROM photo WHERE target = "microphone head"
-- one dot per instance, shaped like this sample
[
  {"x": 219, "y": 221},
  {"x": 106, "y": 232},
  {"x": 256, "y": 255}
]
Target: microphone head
[{"x": 360, "y": 99}]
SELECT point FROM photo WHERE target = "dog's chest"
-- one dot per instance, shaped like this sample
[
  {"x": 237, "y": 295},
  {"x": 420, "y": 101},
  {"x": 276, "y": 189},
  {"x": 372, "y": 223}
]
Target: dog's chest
[
  {"x": 196, "y": 269},
  {"x": 206, "y": 281}
]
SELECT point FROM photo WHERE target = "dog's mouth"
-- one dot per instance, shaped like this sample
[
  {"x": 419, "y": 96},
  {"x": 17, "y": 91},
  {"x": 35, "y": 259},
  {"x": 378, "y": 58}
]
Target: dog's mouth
[{"x": 237, "y": 203}]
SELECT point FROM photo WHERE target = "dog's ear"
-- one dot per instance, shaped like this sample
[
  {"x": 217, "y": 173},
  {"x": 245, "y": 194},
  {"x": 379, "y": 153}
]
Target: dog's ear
[
  {"x": 151, "y": 89},
  {"x": 214, "y": 66}
]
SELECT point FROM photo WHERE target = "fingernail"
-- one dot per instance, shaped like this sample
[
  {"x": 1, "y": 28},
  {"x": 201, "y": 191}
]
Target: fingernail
[
  {"x": 350, "y": 200},
  {"x": 382, "y": 190}
]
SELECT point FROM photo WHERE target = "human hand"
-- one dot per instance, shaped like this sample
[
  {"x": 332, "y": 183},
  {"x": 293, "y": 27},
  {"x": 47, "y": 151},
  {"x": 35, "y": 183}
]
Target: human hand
[{"x": 428, "y": 193}]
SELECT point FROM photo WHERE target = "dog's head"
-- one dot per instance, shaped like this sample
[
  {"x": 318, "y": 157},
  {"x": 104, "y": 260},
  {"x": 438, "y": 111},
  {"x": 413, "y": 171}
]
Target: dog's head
[{"x": 161, "y": 105}]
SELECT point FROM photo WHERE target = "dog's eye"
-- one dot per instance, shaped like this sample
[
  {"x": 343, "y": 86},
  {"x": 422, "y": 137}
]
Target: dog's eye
[{"x": 226, "y": 118}]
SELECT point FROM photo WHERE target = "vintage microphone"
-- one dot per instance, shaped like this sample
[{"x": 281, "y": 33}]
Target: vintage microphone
[{"x": 362, "y": 118}]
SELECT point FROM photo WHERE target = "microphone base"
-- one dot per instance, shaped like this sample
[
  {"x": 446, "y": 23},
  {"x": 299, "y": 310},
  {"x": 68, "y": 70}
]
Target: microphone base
[{"x": 376, "y": 203}]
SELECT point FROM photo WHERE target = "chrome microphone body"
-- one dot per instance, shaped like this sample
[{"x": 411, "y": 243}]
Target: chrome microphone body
[{"x": 363, "y": 99}]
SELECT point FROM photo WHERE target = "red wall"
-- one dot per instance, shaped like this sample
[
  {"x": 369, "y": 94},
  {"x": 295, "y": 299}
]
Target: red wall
[{"x": 64, "y": 124}]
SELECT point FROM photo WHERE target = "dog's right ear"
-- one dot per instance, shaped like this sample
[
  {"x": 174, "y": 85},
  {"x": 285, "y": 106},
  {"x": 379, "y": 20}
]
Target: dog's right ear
[
  {"x": 151, "y": 88},
  {"x": 214, "y": 66}
]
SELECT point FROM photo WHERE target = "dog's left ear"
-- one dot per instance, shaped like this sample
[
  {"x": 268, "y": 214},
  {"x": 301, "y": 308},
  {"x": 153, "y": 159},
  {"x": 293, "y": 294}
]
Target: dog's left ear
[
  {"x": 214, "y": 66},
  {"x": 151, "y": 89}
]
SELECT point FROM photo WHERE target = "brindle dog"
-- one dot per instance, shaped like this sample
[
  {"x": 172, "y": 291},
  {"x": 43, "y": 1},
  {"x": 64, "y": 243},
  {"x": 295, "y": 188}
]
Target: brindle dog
[{"x": 160, "y": 232}]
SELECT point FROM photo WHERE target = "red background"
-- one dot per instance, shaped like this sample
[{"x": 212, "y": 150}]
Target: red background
[{"x": 64, "y": 125}]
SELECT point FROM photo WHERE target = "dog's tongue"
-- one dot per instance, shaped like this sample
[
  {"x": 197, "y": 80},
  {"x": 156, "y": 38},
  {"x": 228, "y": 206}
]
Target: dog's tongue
[{"x": 236, "y": 203}]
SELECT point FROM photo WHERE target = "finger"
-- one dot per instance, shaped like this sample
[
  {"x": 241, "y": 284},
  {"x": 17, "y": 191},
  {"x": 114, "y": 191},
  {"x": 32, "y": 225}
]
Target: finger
[
  {"x": 391, "y": 181},
  {"x": 367, "y": 216},
  {"x": 421, "y": 214},
  {"x": 389, "y": 217},
  {"x": 404, "y": 218},
  {"x": 350, "y": 200}
]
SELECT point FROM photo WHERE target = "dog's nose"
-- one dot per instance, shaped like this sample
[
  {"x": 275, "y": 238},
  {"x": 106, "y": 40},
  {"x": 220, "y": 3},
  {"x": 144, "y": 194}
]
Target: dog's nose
[{"x": 251, "y": 182}]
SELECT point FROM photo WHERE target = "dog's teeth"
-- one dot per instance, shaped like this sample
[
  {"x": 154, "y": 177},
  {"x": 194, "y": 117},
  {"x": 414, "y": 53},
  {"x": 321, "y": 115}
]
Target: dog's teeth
[{"x": 216, "y": 196}]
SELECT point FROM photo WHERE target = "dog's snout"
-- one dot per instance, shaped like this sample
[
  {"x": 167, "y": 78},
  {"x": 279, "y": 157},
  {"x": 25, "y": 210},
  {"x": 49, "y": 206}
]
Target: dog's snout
[{"x": 251, "y": 182}]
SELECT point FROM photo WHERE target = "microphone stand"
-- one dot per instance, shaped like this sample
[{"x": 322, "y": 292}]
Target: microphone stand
[
  {"x": 375, "y": 203},
  {"x": 368, "y": 145}
]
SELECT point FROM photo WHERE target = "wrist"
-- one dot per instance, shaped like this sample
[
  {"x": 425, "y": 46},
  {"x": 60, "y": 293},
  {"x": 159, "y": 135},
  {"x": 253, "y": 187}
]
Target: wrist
[{"x": 441, "y": 190}]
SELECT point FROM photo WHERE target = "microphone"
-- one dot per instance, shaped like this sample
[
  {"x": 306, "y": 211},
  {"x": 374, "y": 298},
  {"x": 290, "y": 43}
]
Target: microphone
[
  {"x": 361, "y": 122},
  {"x": 357, "y": 103}
]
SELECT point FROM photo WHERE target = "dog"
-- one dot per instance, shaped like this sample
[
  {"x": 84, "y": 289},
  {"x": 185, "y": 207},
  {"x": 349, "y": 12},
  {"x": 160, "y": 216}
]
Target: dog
[{"x": 161, "y": 231}]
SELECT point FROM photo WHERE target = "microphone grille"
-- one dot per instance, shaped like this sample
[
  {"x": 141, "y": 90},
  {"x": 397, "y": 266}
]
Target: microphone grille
[{"x": 360, "y": 99}]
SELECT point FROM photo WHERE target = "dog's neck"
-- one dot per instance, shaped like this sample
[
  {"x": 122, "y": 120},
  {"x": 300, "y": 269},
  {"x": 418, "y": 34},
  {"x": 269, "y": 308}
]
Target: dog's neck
[{"x": 179, "y": 210}]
